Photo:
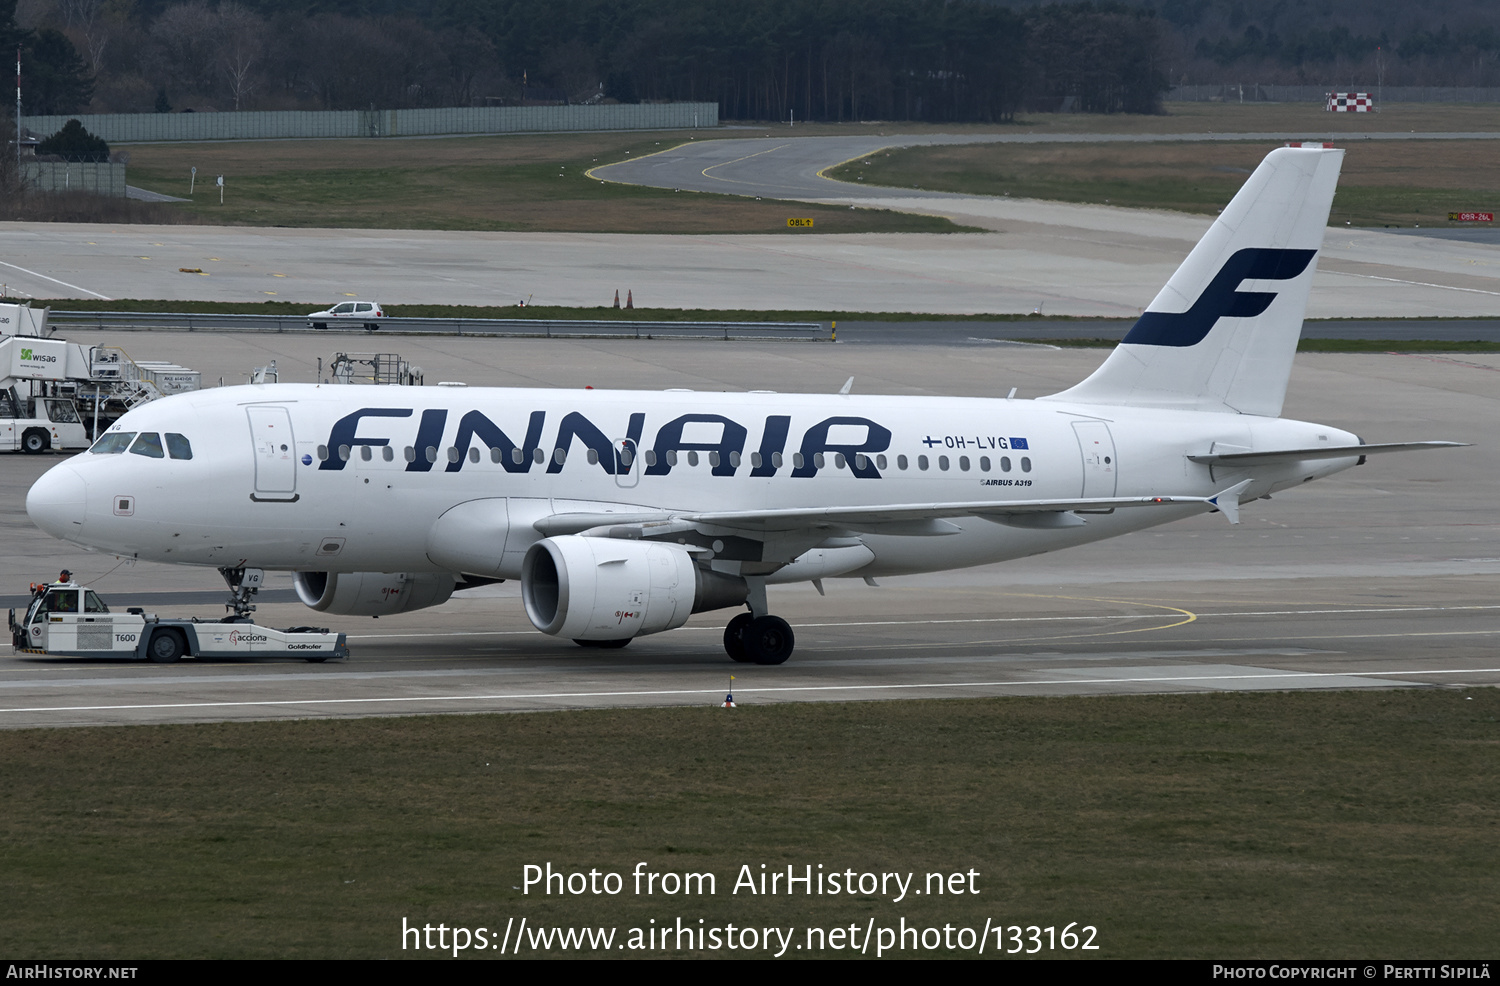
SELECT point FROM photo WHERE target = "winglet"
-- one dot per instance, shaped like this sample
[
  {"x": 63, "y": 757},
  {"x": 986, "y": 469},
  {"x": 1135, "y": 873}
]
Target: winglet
[{"x": 1228, "y": 501}]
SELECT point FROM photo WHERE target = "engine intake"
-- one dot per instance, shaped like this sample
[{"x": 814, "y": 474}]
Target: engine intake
[
  {"x": 607, "y": 589},
  {"x": 372, "y": 593}
]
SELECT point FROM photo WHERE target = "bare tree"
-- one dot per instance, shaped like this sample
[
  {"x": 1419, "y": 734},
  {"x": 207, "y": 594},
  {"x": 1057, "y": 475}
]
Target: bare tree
[
  {"x": 185, "y": 38},
  {"x": 571, "y": 67},
  {"x": 242, "y": 42},
  {"x": 471, "y": 59}
]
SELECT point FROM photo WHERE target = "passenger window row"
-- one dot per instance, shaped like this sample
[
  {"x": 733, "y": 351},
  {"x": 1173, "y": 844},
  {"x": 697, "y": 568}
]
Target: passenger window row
[{"x": 861, "y": 461}]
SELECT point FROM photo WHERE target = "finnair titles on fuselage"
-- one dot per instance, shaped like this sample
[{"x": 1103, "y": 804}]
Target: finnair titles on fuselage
[{"x": 624, "y": 512}]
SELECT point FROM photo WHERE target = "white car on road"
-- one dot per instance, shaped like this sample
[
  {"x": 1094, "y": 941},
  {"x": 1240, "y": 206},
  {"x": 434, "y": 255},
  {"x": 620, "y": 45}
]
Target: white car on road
[{"x": 364, "y": 312}]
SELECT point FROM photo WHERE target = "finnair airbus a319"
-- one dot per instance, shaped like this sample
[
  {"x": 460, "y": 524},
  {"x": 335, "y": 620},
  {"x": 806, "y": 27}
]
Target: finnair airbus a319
[{"x": 624, "y": 512}]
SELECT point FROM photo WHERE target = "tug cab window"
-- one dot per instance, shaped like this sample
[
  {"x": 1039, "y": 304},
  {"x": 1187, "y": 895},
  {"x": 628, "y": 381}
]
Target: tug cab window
[
  {"x": 60, "y": 601},
  {"x": 62, "y": 412}
]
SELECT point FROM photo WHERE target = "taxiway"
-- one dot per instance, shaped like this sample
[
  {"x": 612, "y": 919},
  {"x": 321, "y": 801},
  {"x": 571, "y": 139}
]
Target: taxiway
[{"x": 1383, "y": 576}]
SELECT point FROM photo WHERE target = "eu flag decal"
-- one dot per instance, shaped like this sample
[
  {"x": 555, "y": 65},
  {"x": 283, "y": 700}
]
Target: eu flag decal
[{"x": 1019, "y": 443}]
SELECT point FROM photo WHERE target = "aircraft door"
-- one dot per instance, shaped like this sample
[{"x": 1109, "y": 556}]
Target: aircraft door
[
  {"x": 627, "y": 463},
  {"x": 275, "y": 452},
  {"x": 1099, "y": 465}
]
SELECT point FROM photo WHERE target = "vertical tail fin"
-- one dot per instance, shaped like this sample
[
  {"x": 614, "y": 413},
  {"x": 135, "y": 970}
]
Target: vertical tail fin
[{"x": 1222, "y": 333}]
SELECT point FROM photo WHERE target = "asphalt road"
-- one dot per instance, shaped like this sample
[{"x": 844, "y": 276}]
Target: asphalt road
[
  {"x": 977, "y": 332},
  {"x": 1383, "y": 576},
  {"x": 856, "y": 330},
  {"x": 782, "y": 165}
]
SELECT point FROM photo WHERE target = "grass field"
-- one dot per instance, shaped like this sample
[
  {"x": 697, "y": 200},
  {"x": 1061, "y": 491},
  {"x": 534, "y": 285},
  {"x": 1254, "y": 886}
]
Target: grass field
[
  {"x": 1382, "y": 182},
  {"x": 536, "y": 181},
  {"x": 1224, "y": 825},
  {"x": 1310, "y": 120},
  {"x": 521, "y": 182}
]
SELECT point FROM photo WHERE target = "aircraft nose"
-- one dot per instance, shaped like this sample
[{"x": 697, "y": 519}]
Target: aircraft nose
[{"x": 56, "y": 502}]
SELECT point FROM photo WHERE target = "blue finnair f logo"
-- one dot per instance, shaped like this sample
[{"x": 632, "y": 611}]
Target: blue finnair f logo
[{"x": 1221, "y": 298}]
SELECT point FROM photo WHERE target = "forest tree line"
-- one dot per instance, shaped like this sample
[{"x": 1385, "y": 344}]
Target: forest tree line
[
  {"x": 937, "y": 60},
  {"x": 948, "y": 60}
]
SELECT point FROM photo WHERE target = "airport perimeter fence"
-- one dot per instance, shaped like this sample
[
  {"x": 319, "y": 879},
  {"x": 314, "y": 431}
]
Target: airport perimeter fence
[
  {"x": 512, "y": 327},
  {"x": 1257, "y": 93},
  {"x": 100, "y": 178},
  {"x": 293, "y": 124}
]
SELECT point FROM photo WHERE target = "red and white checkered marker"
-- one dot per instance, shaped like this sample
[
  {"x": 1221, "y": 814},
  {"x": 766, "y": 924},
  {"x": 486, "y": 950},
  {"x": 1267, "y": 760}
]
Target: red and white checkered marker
[{"x": 1350, "y": 102}]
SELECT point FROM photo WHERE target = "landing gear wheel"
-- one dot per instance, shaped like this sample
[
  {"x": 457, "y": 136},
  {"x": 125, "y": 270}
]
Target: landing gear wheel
[
  {"x": 34, "y": 442},
  {"x": 734, "y": 638},
  {"x": 769, "y": 640},
  {"x": 166, "y": 647},
  {"x": 604, "y": 644}
]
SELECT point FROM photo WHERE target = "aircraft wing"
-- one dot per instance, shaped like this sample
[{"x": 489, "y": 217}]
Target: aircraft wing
[
  {"x": 914, "y": 519},
  {"x": 1324, "y": 452},
  {"x": 929, "y": 518}
]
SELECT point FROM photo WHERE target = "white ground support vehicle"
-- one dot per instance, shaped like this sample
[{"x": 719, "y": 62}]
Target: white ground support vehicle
[
  {"x": 35, "y": 424},
  {"x": 68, "y": 620},
  {"x": 364, "y": 312},
  {"x": 55, "y": 393}
]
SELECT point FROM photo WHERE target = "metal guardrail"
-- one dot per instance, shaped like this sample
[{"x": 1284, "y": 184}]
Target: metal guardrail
[{"x": 511, "y": 327}]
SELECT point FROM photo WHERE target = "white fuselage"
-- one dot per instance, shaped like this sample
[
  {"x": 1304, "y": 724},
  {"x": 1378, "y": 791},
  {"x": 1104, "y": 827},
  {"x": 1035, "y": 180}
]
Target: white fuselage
[{"x": 350, "y": 479}]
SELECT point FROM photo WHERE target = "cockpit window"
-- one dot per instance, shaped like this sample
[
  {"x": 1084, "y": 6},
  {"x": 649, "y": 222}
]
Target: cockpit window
[
  {"x": 113, "y": 443},
  {"x": 148, "y": 444},
  {"x": 178, "y": 446}
]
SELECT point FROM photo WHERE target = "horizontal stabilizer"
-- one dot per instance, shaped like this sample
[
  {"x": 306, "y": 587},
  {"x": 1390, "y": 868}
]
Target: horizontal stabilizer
[
  {"x": 1323, "y": 452},
  {"x": 1228, "y": 502}
]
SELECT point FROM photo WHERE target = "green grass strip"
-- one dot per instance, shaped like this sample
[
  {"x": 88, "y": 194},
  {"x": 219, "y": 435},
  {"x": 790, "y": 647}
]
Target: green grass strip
[{"x": 1303, "y": 824}]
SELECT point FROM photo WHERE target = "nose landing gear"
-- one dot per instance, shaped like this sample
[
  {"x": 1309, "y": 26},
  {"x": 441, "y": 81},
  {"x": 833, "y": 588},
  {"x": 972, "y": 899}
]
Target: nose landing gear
[{"x": 243, "y": 584}]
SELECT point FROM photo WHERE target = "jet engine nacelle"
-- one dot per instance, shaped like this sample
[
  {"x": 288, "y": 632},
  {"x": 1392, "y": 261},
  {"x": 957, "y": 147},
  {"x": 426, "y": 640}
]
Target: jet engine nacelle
[
  {"x": 609, "y": 589},
  {"x": 372, "y": 593}
]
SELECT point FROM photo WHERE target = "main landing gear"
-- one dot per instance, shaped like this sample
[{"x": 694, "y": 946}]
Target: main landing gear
[{"x": 757, "y": 637}]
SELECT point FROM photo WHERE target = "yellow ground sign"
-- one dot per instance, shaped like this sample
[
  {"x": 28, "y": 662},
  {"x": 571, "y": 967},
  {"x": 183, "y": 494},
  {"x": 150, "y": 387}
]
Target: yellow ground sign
[{"x": 799, "y": 222}]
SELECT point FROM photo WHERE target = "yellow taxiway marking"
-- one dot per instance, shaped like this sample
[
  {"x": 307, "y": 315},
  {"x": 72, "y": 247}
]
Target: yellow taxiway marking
[{"x": 1358, "y": 611}]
